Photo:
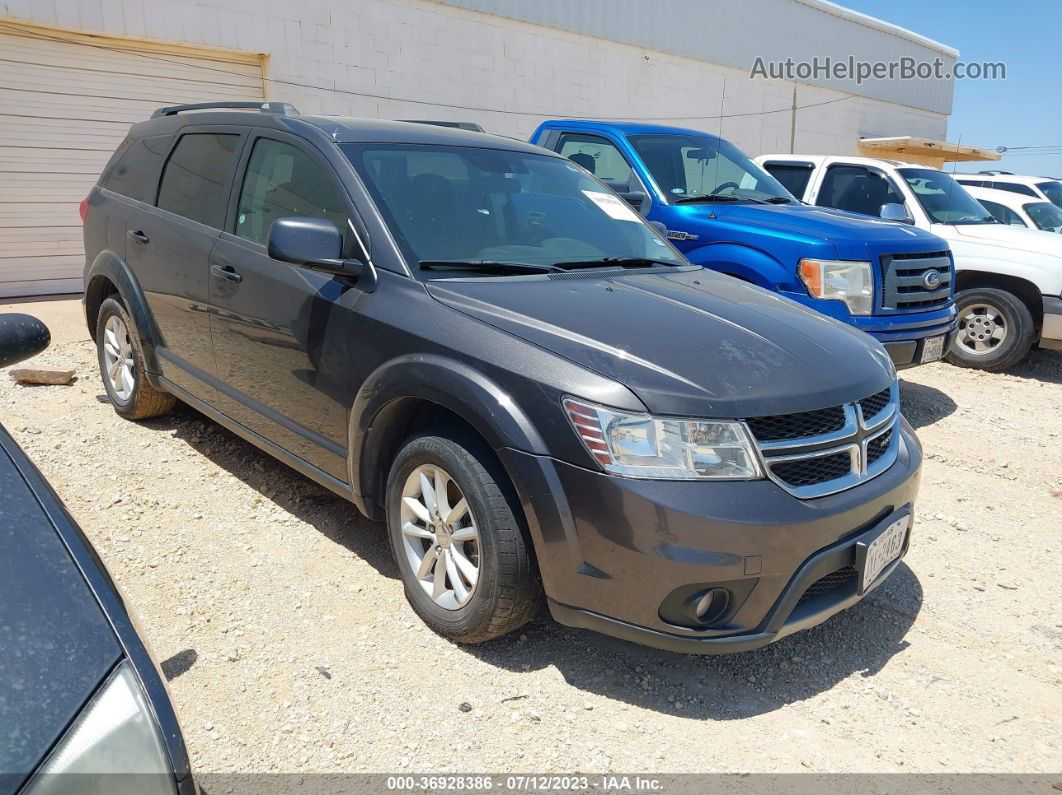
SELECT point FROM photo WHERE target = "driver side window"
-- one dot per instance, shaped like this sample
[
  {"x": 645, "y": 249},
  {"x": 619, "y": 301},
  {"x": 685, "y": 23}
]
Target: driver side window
[
  {"x": 281, "y": 181},
  {"x": 857, "y": 189}
]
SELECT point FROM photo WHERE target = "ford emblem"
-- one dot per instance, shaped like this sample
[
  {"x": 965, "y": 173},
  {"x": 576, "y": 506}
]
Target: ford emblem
[{"x": 932, "y": 279}]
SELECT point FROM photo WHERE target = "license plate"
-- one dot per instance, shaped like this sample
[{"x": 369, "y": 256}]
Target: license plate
[
  {"x": 883, "y": 550},
  {"x": 932, "y": 349}
]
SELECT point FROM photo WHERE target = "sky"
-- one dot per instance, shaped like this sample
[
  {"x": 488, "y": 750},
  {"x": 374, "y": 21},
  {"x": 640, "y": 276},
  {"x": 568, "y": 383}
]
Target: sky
[{"x": 1023, "y": 110}]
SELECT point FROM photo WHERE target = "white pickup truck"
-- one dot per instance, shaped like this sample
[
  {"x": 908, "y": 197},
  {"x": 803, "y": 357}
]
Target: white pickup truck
[{"x": 1008, "y": 280}]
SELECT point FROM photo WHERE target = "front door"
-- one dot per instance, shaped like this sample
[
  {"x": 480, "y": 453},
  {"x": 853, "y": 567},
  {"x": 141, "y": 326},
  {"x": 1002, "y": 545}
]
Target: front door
[{"x": 280, "y": 332}]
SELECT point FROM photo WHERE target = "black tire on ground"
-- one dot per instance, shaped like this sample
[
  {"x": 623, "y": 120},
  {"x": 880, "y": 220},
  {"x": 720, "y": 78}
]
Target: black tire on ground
[
  {"x": 145, "y": 401},
  {"x": 1017, "y": 322},
  {"x": 508, "y": 592}
]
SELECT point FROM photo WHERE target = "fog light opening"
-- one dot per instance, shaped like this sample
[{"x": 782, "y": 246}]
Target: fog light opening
[{"x": 708, "y": 606}]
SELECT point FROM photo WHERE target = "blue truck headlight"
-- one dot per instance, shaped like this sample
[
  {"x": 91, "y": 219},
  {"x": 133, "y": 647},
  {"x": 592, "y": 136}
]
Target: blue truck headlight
[
  {"x": 840, "y": 280},
  {"x": 641, "y": 446},
  {"x": 115, "y": 733}
]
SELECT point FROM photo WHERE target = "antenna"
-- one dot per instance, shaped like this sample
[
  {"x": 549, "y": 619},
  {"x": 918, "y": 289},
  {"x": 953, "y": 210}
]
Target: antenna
[
  {"x": 718, "y": 148},
  {"x": 954, "y": 163}
]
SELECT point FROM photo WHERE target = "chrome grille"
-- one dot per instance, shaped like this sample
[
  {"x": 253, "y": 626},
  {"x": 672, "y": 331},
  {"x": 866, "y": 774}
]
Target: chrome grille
[
  {"x": 912, "y": 282},
  {"x": 874, "y": 405},
  {"x": 821, "y": 452},
  {"x": 879, "y": 446},
  {"x": 795, "y": 426},
  {"x": 806, "y": 471}
]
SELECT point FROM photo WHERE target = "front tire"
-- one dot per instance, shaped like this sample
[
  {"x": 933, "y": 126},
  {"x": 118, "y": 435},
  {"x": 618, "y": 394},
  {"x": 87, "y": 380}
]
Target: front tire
[
  {"x": 465, "y": 561},
  {"x": 995, "y": 330},
  {"x": 121, "y": 361}
]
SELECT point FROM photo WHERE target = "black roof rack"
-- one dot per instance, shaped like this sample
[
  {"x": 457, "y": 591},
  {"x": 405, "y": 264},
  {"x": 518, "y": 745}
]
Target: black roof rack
[
  {"x": 459, "y": 125},
  {"x": 995, "y": 172},
  {"x": 279, "y": 108}
]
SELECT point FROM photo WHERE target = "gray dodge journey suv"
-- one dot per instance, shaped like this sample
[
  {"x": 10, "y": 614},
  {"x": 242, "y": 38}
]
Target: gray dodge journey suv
[{"x": 475, "y": 341}]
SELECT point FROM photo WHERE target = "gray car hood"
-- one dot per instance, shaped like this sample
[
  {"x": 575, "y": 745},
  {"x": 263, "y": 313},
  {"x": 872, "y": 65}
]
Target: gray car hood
[
  {"x": 56, "y": 645},
  {"x": 687, "y": 342}
]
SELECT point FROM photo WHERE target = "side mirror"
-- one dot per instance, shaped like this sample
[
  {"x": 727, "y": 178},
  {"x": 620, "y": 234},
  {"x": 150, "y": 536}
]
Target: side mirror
[
  {"x": 633, "y": 197},
  {"x": 21, "y": 336},
  {"x": 659, "y": 227},
  {"x": 895, "y": 212},
  {"x": 314, "y": 243}
]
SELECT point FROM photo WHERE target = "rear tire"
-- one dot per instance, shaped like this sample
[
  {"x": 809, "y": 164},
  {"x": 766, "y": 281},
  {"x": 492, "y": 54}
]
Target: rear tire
[
  {"x": 438, "y": 547},
  {"x": 996, "y": 330},
  {"x": 121, "y": 359}
]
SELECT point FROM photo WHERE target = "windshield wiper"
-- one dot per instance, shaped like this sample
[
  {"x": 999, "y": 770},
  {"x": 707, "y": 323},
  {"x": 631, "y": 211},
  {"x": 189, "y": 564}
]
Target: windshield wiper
[
  {"x": 485, "y": 266},
  {"x": 613, "y": 262},
  {"x": 780, "y": 200},
  {"x": 717, "y": 197}
]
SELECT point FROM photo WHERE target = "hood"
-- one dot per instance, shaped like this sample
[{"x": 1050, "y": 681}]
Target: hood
[
  {"x": 843, "y": 229},
  {"x": 689, "y": 342},
  {"x": 1004, "y": 236},
  {"x": 57, "y": 644}
]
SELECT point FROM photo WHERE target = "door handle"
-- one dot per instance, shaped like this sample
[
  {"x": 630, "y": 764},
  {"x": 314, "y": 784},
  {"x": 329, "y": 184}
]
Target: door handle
[
  {"x": 139, "y": 237},
  {"x": 226, "y": 272}
]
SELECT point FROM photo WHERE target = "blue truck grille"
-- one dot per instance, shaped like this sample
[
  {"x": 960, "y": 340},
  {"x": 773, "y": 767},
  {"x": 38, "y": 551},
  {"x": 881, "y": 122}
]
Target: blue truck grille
[{"x": 915, "y": 282}]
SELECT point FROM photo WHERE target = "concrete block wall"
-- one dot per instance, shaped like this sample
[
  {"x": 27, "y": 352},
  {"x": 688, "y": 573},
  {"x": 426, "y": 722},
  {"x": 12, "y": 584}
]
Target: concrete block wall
[{"x": 397, "y": 58}]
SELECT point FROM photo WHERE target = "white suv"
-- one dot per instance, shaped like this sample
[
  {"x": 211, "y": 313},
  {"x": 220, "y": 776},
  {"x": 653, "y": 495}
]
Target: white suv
[
  {"x": 1008, "y": 279},
  {"x": 1016, "y": 209},
  {"x": 1043, "y": 188}
]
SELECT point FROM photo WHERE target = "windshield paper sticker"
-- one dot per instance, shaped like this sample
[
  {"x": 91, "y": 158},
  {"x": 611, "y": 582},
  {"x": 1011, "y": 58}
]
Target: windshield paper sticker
[{"x": 614, "y": 206}]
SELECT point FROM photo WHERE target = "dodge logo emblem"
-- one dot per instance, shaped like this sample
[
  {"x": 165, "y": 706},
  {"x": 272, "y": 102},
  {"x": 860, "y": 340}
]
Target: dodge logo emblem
[{"x": 932, "y": 279}]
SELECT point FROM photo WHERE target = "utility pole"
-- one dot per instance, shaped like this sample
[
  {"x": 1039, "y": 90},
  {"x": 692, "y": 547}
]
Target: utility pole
[{"x": 792, "y": 125}]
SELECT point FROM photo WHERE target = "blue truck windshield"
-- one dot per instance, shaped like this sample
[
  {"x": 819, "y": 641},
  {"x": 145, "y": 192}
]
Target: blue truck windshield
[{"x": 692, "y": 166}]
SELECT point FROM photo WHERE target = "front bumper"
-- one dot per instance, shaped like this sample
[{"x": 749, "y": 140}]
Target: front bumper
[
  {"x": 613, "y": 551},
  {"x": 1051, "y": 332},
  {"x": 908, "y": 353}
]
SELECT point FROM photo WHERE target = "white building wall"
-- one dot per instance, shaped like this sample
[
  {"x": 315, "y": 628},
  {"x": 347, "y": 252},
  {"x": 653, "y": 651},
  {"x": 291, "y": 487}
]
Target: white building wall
[{"x": 398, "y": 58}]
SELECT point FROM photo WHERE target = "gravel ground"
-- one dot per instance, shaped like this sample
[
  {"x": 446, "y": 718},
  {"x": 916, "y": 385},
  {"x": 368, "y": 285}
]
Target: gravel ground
[{"x": 289, "y": 646}]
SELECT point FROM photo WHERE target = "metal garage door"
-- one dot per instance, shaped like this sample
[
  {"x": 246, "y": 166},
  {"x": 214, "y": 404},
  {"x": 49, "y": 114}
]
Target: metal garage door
[{"x": 66, "y": 101}]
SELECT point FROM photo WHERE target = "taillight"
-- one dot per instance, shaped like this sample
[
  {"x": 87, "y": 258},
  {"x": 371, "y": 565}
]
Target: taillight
[{"x": 83, "y": 208}]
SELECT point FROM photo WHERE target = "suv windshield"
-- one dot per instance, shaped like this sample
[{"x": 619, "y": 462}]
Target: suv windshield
[
  {"x": 496, "y": 210},
  {"x": 944, "y": 200},
  {"x": 1045, "y": 215},
  {"x": 694, "y": 166},
  {"x": 1053, "y": 191}
]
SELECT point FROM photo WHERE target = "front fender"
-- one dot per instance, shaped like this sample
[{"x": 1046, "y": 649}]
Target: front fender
[
  {"x": 1043, "y": 272},
  {"x": 449, "y": 383},
  {"x": 751, "y": 264},
  {"x": 109, "y": 267}
]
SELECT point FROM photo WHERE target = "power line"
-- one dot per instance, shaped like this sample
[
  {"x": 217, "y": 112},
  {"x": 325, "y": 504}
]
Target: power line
[{"x": 451, "y": 106}]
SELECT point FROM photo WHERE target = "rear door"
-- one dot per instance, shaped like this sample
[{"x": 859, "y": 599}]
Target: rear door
[
  {"x": 169, "y": 245},
  {"x": 280, "y": 332}
]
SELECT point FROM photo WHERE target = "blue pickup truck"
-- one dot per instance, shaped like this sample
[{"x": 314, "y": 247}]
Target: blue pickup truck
[{"x": 724, "y": 212}]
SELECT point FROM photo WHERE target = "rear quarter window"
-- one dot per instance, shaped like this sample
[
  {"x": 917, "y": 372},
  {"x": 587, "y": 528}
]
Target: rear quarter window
[
  {"x": 1013, "y": 187},
  {"x": 195, "y": 182},
  {"x": 793, "y": 176},
  {"x": 133, "y": 173}
]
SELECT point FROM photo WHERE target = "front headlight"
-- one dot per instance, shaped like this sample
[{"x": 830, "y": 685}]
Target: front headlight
[
  {"x": 640, "y": 446},
  {"x": 840, "y": 280},
  {"x": 112, "y": 747}
]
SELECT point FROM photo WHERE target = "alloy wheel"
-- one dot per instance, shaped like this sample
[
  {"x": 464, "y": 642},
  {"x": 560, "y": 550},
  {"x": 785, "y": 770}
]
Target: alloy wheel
[
  {"x": 440, "y": 536},
  {"x": 118, "y": 358}
]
